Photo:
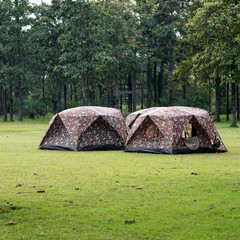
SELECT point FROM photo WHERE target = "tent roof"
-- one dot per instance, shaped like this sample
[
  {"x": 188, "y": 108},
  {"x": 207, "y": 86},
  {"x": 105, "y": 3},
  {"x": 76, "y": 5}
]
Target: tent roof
[
  {"x": 171, "y": 121},
  {"x": 77, "y": 120},
  {"x": 167, "y": 112},
  {"x": 91, "y": 111}
]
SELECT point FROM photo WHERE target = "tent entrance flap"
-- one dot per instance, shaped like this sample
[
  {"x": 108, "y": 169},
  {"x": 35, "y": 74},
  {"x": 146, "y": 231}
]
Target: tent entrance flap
[
  {"x": 194, "y": 136},
  {"x": 147, "y": 133},
  {"x": 133, "y": 121},
  {"x": 99, "y": 135}
]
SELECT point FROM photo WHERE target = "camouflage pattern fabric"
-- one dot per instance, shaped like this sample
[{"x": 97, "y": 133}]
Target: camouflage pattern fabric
[
  {"x": 161, "y": 128},
  {"x": 82, "y": 127}
]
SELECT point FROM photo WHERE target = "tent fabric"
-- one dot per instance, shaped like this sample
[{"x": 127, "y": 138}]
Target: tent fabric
[
  {"x": 160, "y": 129},
  {"x": 85, "y": 128}
]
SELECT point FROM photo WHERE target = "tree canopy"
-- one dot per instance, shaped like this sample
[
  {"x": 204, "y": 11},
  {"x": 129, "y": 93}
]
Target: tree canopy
[{"x": 116, "y": 53}]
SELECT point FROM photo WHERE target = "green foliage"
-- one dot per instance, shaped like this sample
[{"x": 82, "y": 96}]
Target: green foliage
[
  {"x": 214, "y": 31},
  {"x": 33, "y": 108},
  {"x": 71, "y": 53}
]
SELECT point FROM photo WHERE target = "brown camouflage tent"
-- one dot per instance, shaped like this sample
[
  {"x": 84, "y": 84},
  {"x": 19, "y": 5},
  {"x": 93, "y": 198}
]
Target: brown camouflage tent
[
  {"x": 172, "y": 130},
  {"x": 85, "y": 128}
]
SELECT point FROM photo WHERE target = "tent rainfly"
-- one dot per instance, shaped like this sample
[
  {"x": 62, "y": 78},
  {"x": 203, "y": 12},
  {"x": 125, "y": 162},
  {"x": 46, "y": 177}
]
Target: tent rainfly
[
  {"x": 85, "y": 128},
  {"x": 172, "y": 130}
]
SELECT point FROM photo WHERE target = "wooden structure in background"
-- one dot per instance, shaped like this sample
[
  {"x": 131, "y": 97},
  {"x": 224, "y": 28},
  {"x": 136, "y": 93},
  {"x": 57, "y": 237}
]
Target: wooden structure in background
[{"x": 126, "y": 94}]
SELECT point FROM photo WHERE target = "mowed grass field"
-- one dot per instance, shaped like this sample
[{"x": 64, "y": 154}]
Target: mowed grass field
[{"x": 116, "y": 195}]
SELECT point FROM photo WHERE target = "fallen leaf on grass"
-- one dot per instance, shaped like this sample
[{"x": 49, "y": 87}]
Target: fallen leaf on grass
[
  {"x": 10, "y": 223},
  {"x": 129, "y": 221},
  {"x": 139, "y": 188},
  {"x": 18, "y": 193},
  {"x": 40, "y": 191},
  {"x": 37, "y": 174}
]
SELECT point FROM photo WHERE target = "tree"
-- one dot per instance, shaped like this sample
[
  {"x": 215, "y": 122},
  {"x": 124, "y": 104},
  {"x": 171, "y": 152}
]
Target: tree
[
  {"x": 168, "y": 18},
  {"x": 215, "y": 30}
]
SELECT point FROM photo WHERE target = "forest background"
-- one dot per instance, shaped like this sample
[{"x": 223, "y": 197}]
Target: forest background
[{"x": 112, "y": 53}]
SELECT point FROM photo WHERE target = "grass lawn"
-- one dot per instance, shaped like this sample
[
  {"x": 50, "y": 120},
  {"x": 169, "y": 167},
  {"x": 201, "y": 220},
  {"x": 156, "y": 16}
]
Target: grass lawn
[{"x": 113, "y": 194}]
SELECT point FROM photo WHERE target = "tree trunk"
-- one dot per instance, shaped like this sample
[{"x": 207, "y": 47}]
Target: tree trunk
[
  {"x": 134, "y": 92},
  {"x": 1, "y": 101},
  {"x": 116, "y": 87},
  {"x": 92, "y": 95},
  {"x": 130, "y": 95},
  {"x": 155, "y": 81},
  {"x": 227, "y": 110},
  {"x": 233, "y": 105},
  {"x": 19, "y": 64},
  {"x": 238, "y": 102},
  {"x": 59, "y": 98},
  {"x": 54, "y": 102},
  {"x": 107, "y": 91},
  {"x": 43, "y": 94},
  {"x": 65, "y": 96},
  {"x": 171, "y": 82},
  {"x": 87, "y": 56},
  {"x": 149, "y": 85},
  {"x": 75, "y": 93},
  {"x": 20, "y": 117},
  {"x": 88, "y": 89},
  {"x": 159, "y": 87},
  {"x": 71, "y": 93},
  {"x": 112, "y": 97},
  {"x": 121, "y": 100},
  {"x": 184, "y": 91},
  {"x": 101, "y": 91},
  {"x": 10, "y": 102},
  {"x": 217, "y": 102},
  {"x": 43, "y": 88},
  {"x": 209, "y": 96},
  {"x": 108, "y": 99},
  {"x": 5, "y": 104},
  {"x": 83, "y": 90}
]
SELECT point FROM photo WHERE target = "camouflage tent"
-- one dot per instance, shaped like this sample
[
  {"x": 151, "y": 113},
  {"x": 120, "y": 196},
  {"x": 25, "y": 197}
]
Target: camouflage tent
[
  {"x": 85, "y": 128},
  {"x": 172, "y": 130}
]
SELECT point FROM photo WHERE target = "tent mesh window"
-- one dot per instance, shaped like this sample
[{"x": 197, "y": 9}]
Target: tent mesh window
[
  {"x": 190, "y": 138},
  {"x": 194, "y": 136},
  {"x": 190, "y": 131}
]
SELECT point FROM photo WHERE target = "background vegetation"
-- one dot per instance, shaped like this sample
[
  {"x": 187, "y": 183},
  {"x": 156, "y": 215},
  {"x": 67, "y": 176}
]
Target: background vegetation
[{"x": 72, "y": 53}]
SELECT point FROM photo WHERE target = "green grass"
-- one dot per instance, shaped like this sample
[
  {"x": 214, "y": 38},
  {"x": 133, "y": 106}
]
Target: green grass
[{"x": 116, "y": 195}]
